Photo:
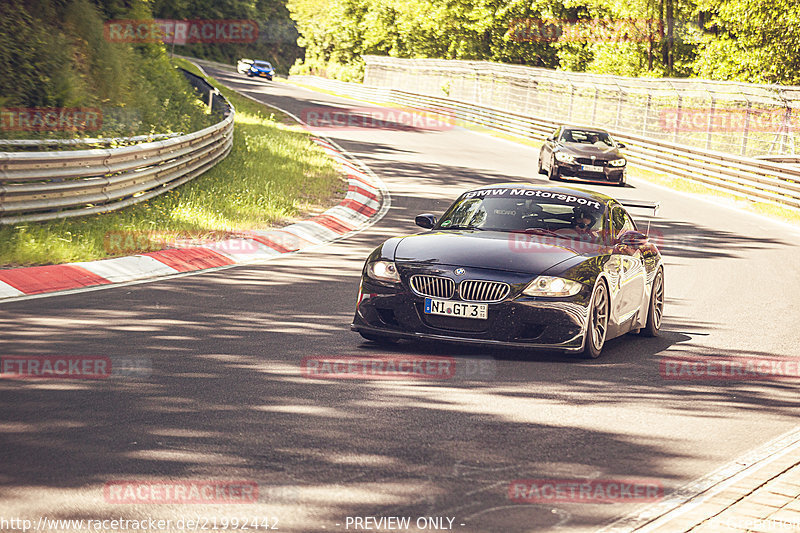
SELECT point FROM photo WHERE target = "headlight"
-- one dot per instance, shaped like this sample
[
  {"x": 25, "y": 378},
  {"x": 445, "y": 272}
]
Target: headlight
[
  {"x": 383, "y": 271},
  {"x": 617, "y": 163},
  {"x": 552, "y": 286},
  {"x": 565, "y": 158}
]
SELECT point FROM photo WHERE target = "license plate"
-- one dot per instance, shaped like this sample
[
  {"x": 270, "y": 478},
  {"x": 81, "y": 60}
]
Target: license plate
[
  {"x": 456, "y": 309},
  {"x": 591, "y": 168},
  {"x": 262, "y": 74}
]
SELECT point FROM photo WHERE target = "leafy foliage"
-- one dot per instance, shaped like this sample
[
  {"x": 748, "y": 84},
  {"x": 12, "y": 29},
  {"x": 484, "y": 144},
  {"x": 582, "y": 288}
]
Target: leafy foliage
[
  {"x": 54, "y": 54},
  {"x": 753, "y": 40}
]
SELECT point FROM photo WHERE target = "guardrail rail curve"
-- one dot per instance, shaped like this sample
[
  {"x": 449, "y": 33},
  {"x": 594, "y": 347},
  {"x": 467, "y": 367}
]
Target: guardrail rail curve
[{"x": 36, "y": 186}]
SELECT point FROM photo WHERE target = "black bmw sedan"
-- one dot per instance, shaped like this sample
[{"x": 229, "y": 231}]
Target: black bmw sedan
[
  {"x": 586, "y": 154},
  {"x": 516, "y": 265}
]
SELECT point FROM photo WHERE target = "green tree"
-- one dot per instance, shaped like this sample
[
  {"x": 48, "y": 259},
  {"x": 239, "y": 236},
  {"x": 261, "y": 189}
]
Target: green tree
[{"x": 749, "y": 40}]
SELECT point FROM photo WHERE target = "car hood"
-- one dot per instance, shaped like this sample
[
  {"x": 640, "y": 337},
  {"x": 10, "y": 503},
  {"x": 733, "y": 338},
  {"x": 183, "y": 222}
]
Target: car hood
[
  {"x": 585, "y": 150},
  {"x": 498, "y": 250}
]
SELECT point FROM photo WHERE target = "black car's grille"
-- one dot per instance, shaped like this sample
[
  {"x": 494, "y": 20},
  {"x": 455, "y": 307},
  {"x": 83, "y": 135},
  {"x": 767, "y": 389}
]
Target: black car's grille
[
  {"x": 483, "y": 291},
  {"x": 588, "y": 161},
  {"x": 433, "y": 286}
]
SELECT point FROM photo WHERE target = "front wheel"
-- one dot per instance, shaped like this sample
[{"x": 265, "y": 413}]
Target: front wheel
[
  {"x": 541, "y": 170},
  {"x": 656, "y": 310},
  {"x": 553, "y": 172},
  {"x": 598, "y": 322}
]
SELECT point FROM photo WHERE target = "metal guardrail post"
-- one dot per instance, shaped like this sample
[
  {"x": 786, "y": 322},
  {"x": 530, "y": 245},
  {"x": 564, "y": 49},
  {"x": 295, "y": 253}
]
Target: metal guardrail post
[
  {"x": 710, "y": 129},
  {"x": 746, "y": 127}
]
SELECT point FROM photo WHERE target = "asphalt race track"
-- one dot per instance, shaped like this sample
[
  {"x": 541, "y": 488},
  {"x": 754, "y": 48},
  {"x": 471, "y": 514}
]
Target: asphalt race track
[{"x": 223, "y": 397}]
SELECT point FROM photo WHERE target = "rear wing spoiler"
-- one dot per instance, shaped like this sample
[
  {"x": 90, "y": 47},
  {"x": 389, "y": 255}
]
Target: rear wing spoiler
[{"x": 641, "y": 204}]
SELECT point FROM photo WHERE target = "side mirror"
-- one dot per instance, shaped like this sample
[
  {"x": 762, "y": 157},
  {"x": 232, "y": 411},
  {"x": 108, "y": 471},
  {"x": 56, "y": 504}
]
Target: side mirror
[
  {"x": 633, "y": 238},
  {"x": 620, "y": 145},
  {"x": 426, "y": 221},
  {"x": 551, "y": 138}
]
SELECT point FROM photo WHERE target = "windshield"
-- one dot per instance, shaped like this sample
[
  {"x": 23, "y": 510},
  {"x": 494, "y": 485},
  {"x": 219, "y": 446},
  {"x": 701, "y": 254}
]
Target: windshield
[
  {"x": 262, "y": 64},
  {"x": 596, "y": 138},
  {"x": 524, "y": 210}
]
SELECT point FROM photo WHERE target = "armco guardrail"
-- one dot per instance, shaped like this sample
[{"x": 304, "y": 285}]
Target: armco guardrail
[
  {"x": 747, "y": 176},
  {"x": 38, "y": 186},
  {"x": 745, "y": 119}
]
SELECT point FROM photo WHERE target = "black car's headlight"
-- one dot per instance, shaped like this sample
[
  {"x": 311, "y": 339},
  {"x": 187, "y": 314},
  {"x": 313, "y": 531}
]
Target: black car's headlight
[
  {"x": 617, "y": 163},
  {"x": 565, "y": 157},
  {"x": 385, "y": 271},
  {"x": 552, "y": 286}
]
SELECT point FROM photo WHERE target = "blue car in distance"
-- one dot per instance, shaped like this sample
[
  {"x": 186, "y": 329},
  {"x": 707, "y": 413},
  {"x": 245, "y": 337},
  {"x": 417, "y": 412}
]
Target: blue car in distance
[{"x": 261, "y": 69}]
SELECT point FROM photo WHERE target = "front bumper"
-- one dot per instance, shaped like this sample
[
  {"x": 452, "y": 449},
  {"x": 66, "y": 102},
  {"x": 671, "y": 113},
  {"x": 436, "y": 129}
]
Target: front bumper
[
  {"x": 521, "y": 322},
  {"x": 609, "y": 175}
]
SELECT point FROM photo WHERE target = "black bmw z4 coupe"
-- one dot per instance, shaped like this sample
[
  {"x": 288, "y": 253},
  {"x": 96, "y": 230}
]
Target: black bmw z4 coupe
[
  {"x": 586, "y": 154},
  {"x": 518, "y": 265}
]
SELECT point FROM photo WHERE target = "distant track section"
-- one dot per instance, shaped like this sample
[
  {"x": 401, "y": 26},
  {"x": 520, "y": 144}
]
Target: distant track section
[{"x": 753, "y": 178}]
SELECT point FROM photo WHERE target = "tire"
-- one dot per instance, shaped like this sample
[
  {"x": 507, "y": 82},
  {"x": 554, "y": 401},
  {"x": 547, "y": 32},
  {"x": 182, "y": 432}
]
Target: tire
[
  {"x": 597, "y": 328},
  {"x": 621, "y": 182},
  {"x": 378, "y": 339},
  {"x": 541, "y": 170},
  {"x": 655, "y": 311},
  {"x": 552, "y": 174}
]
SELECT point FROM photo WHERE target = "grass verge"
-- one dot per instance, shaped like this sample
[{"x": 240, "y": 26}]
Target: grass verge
[
  {"x": 273, "y": 175},
  {"x": 768, "y": 209}
]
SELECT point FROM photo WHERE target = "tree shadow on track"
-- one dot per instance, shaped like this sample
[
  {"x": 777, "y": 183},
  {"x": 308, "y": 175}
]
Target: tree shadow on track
[{"x": 227, "y": 399}]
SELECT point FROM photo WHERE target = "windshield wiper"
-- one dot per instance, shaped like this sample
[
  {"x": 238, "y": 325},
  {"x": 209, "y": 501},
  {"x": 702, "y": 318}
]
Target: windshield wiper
[
  {"x": 463, "y": 227},
  {"x": 542, "y": 231}
]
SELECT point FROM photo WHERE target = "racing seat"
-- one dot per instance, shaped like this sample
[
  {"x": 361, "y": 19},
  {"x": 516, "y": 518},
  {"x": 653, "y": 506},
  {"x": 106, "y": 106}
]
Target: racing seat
[{"x": 505, "y": 219}]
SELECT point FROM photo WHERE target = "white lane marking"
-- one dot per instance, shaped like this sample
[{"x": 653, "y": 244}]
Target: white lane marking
[
  {"x": 7, "y": 291},
  {"x": 693, "y": 494},
  {"x": 347, "y": 216},
  {"x": 363, "y": 200},
  {"x": 127, "y": 268},
  {"x": 241, "y": 250},
  {"x": 311, "y": 231}
]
